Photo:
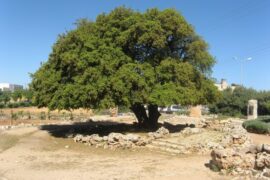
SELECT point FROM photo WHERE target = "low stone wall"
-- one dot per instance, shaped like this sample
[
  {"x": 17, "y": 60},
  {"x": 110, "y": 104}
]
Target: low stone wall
[
  {"x": 253, "y": 161},
  {"x": 119, "y": 140},
  {"x": 238, "y": 156}
]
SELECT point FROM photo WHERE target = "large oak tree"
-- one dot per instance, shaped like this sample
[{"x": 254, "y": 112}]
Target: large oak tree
[{"x": 127, "y": 58}]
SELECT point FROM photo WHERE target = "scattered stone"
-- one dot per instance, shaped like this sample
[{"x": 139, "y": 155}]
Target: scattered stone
[
  {"x": 263, "y": 160},
  {"x": 160, "y": 133},
  {"x": 112, "y": 141},
  {"x": 266, "y": 148},
  {"x": 266, "y": 172},
  {"x": 231, "y": 159},
  {"x": 132, "y": 137},
  {"x": 250, "y": 161},
  {"x": 189, "y": 131},
  {"x": 78, "y": 138}
]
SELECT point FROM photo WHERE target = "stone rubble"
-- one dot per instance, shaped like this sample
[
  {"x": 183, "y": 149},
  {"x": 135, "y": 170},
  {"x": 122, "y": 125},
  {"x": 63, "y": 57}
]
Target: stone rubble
[
  {"x": 189, "y": 131},
  {"x": 160, "y": 133},
  {"x": 119, "y": 140},
  {"x": 252, "y": 162},
  {"x": 236, "y": 154}
]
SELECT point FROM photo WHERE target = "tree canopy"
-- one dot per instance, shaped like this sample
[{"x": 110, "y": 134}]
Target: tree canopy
[{"x": 127, "y": 58}]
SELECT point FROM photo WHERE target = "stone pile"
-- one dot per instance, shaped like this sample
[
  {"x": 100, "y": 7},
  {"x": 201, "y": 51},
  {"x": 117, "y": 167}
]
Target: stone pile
[
  {"x": 160, "y": 133},
  {"x": 236, "y": 137},
  {"x": 112, "y": 141},
  {"x": 224, "y": 125},
  {"x": 119, "y": 140},
  {"x": 253, "y": 161},
  {"x": 190, "y": 131},
  {"x": 235, "y": 134}
]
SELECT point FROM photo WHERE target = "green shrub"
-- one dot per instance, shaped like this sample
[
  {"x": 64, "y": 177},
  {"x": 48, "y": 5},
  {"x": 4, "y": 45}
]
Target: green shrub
[
  {"x": 123, "y": 109},
  {"x": 20, "y": 113},
  {"x": 14, "y": 116},
  {"x": 2, "y": 105},
  {"x": 24, "y": 104},
  {"x": 28, "y": 115},
  {"x": 71, "y": 116},
  {"x": 13, "y": 105},
  {"x": 49, "y": 115},
  {"x": 259, "y": 126},
  {"x": 42, "y": 115}
]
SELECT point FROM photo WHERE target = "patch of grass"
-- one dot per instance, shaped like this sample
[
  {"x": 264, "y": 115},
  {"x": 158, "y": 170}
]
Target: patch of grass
[{"x": 259, "y": 126}]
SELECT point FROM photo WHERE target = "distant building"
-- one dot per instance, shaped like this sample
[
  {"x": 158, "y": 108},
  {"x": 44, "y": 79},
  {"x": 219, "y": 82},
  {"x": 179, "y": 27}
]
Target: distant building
[
  {"x": 223, "y": 85},
  {"x": 10, "y": 87}
]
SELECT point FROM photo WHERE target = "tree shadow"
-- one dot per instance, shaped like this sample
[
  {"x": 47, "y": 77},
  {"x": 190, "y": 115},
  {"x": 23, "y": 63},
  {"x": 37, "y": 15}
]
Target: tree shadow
[{"x": 103, "y": 128}]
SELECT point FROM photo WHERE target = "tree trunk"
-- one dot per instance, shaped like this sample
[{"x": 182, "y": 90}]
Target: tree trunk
[
  {"x": 153, "y": 115},
  {"x": 149, "y": 120},
  {"x": 140, "y": 113}
]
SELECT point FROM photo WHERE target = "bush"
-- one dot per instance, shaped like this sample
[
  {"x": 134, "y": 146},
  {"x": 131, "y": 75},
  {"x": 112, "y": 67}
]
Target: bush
[
  {"x": 2, "y": 105},
  {"x": 24, "y": 104},
  {"x": 28, "y": 115},
  {"x": 14, "y": 116},
  {"x": 123, "y": 109},
  {"x": 13, "y": 105},
  {"x": 42, "y": 115},
  {"x": 260, "y": 126}
]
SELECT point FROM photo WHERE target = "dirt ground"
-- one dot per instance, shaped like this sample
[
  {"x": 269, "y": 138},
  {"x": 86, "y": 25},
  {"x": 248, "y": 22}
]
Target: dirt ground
[
  {"x": 260, "y": 139},
  {"x": 30, "y": 153}
]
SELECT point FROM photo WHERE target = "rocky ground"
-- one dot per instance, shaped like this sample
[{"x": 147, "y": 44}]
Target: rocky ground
[{"x": 88, "y": 150}]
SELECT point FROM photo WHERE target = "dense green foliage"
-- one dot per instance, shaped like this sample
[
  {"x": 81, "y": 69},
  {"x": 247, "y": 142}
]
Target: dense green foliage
[
  {"x": 127, "y": 58},
  {"x": 234, "y": 103},
  {"x": 260, "y": 126},
  {"x": 18, "y": 98},
  {"x": 5, "y": 97}
]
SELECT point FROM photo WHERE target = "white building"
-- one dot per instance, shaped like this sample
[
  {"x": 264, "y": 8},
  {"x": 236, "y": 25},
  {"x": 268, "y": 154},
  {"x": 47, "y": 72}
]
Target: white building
[
  {"x": 223, "y": 85},
  {"x": 10, "y": 87}
]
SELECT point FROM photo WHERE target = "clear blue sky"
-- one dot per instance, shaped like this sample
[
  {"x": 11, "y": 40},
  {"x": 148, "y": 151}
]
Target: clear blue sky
[{"x": 28, "y": 29}]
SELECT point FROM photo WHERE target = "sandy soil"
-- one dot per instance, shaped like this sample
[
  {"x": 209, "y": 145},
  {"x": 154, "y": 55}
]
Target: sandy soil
[
  {"x": 260, "y": 139},
  {"x": 30, "y": 153}
]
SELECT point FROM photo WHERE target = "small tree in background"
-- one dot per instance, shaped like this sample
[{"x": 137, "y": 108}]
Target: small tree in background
[
  {"x": 234, "y": 103},
  {"x": 5, "y": 96},
  {"x": 127, "y": 58},
  {"x": 17, "y": 95}
]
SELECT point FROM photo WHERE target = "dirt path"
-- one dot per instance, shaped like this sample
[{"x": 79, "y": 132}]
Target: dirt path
[
  {"x": 37, "y": 155},
  {"x": 260, "y": 139}
]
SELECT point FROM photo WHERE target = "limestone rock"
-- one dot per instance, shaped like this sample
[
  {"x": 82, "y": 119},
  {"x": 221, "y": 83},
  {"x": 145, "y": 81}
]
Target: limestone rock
[
  {"x": 132, "y": 137},
  {"x": 114, "y": 137},
  {"x": 266, "y": 172},
  {"x": 161, "y": 132},
  {"x": 78, "y": 138},
  {"x": 266, "y": 148},
  {"x": 112, "y": 141},
  {"x": 189, "y": 131},
  {"x": 263, "y": 160},
  {"x": 230, "y": 158}
]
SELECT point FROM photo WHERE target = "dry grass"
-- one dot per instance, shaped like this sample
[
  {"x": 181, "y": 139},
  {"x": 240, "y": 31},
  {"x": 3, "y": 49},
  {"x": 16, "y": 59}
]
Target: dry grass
[
  {"x": 9, "y": 122},
  {"x": 36, "y": 110}
]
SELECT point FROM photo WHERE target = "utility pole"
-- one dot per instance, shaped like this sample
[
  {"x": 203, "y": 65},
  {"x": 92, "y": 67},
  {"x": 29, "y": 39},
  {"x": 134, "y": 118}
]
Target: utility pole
[{"x": 242, "y": 61}]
